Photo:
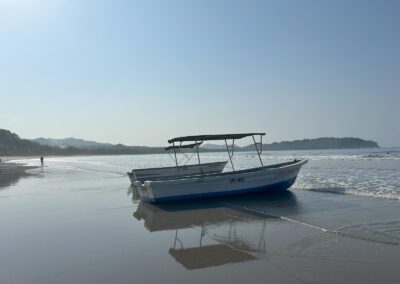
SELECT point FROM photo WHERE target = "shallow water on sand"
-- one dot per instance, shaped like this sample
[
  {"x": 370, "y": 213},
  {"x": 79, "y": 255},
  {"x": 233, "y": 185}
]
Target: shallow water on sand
[{"x": 78, "y": 221}]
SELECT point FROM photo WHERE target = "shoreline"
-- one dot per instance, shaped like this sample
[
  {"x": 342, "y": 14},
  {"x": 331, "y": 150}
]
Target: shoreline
[{"x": 7, "y": 158}]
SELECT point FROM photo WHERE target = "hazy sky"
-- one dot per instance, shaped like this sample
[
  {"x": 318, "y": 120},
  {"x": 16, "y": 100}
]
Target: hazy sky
[{"x": 140, "y": 72}]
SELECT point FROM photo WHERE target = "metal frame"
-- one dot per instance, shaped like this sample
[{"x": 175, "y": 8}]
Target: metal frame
[
  {"x": 179, "y": 148},
  {"x": 229, "y": 148}
]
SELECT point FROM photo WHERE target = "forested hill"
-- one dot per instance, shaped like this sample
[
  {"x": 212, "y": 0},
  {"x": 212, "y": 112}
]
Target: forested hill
[
  {"x": 12, "y": 145},
  {"x": 318, "y": 144}
]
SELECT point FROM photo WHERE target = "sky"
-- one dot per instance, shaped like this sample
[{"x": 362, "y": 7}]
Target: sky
[{"x": 142, "y": 72}]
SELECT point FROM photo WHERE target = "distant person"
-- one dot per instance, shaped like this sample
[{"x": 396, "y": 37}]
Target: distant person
[{"x": 42, "y": 161}]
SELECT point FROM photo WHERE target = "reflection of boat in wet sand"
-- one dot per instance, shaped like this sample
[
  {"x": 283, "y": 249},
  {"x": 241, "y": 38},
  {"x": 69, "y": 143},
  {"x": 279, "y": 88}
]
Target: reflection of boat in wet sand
[
  {"x": 174, "y": 217},
  {"x": 278, "y": 176},
  {"x": 222, "y": 239}
]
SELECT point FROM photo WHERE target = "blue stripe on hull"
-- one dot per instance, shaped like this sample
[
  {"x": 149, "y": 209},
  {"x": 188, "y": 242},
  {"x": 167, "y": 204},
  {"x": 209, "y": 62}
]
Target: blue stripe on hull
[{"x": 276, "y": 186}]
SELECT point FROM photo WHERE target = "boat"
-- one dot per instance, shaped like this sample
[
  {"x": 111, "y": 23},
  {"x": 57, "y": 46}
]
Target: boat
[
  {"x": 168, "y": 172},
  {"x": 177, "y": 170},
  {"x": 271, "y": 177}
]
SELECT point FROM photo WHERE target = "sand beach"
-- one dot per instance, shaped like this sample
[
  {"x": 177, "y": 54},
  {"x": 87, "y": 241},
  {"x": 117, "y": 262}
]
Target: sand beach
[{"x": 77, "y": 220}]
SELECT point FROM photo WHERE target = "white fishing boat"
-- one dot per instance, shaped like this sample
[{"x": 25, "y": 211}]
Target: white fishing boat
[
  {"x": 180, "y": 171},
  {"x": 177, "y": 170},
  {"x": 271, "y": 177}
]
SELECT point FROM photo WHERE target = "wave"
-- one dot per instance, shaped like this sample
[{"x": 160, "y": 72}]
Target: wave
[
  {"x": 366, "y": 157},
  {"x": 344, "y": 191}
]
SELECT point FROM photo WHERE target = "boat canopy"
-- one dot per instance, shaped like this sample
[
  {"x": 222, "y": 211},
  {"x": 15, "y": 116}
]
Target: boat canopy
[
  {"x": 187, "y": 146},
  {"x": 212, "y": 137},
  {"x": 225, "y": 137}
]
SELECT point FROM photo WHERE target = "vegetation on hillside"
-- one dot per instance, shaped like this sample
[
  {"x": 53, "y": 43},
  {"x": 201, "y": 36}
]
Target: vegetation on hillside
[{"x": 12, "y": 145}]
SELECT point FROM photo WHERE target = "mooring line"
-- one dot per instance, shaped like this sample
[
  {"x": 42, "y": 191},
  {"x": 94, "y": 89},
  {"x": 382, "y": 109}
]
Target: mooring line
[{"x": 325, "y": 230}]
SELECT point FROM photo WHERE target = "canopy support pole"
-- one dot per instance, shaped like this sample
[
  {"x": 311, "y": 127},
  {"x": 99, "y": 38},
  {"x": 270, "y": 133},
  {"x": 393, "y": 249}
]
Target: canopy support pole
[
  {"x": 176, "y": 159},
  {"x": 259, "y": 151},
  {"x": 229, "y": 154},
  {"x": 198, "y": 158}
]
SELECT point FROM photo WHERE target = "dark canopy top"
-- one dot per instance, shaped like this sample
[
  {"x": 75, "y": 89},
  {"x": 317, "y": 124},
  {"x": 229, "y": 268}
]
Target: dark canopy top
[
  {"x": 212, "y": 137},
  {"x": 187, "y": 146}
]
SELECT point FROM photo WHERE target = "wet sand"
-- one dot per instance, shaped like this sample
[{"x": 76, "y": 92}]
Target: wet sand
[
  {"x": 287, "y": 237},
  {"x": 10, "y": 173},
  {"x": 75, "y": 226}
]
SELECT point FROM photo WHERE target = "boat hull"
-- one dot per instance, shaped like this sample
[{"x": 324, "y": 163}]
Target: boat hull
[
  {"x": 169, "y": 172},
  {"x": 275, "y": 177}
]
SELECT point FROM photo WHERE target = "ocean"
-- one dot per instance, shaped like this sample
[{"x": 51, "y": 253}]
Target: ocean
[{"x": 373, "y": 173}]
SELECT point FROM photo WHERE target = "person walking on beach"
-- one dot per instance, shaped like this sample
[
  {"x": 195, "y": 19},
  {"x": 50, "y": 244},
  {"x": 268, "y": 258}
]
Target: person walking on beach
[{"x": 41, "y": 161}]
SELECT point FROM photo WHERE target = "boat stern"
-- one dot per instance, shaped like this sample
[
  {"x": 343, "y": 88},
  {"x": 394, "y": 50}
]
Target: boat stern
[
  {"x": 132, "y": 177},
  {"x": 145, "y": 191}
]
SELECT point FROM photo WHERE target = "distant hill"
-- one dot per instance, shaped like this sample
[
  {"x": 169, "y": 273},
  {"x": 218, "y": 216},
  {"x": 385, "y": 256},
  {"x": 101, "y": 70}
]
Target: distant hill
[
  {"x": 71, "y": 142},
  {"x": 210, "y": 146},
  {"x": 318, "y": 144},
  {"x": 12, "y": 145}
]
